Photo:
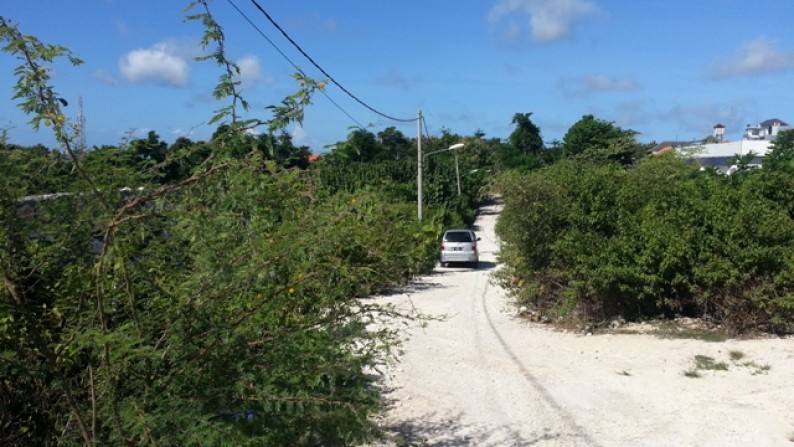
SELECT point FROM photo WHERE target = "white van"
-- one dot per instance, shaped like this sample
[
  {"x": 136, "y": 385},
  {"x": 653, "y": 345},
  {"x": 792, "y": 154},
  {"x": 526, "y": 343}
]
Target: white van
[{"x": 459, "y": 245}]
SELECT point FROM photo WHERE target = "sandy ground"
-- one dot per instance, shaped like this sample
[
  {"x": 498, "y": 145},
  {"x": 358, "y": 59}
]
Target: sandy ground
[{"x": 483, "y": 377}]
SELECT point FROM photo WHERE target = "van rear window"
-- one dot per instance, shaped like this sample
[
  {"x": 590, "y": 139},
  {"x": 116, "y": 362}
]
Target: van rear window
[{"x": 457, "y": 236}]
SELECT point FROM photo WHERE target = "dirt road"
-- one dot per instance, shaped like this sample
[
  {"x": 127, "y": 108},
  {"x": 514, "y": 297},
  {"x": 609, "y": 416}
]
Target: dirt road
[{"x": 482, "y": 377}]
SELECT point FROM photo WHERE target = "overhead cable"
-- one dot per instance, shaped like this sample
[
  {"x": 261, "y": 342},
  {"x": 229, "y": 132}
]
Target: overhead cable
[
  {"x": 325, "y": 73},
  {"x": 294, "y": 65}
]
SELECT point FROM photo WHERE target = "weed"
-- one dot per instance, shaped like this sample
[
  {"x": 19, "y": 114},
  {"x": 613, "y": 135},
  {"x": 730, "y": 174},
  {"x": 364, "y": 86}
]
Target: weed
[
  {"x": 708, "y": 363},
  {"x": 756, "y": 368},
  {"x": 672, "y": 329},
  {"x": 692, "y": 373}
]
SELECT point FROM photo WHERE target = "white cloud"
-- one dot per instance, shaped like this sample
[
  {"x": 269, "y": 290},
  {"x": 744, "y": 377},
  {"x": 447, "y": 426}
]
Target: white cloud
[
  {"x": 298, "y": 135},
  {"x": 163, "y": 64},
  {"x": 583, "y": 86},
  {"x": 754, "y": 57},
  {"x": 251, "y": 72},
  {"x": 549, "y": 20}
]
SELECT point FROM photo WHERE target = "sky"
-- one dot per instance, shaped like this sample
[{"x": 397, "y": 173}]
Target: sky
[{"x": 669, "y": 70}]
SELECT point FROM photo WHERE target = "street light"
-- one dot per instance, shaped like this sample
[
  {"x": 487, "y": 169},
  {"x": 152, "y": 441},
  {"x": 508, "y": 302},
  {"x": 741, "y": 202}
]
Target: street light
[{"x": 419, "y": 175}]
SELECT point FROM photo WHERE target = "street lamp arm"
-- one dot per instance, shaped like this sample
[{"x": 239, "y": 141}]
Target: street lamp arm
[
  {"x": 451, "y": 148},
  {"x": 420, "y": 157}
]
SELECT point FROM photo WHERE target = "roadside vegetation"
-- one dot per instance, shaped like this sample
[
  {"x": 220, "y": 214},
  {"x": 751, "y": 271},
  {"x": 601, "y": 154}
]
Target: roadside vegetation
[
  {"x": 206, "y": 292},
  {"x": 605, "y": 233},
  {"x": 736, "y": 359}
]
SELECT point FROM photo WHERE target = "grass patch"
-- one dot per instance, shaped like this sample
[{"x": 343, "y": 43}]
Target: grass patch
[
  {"x": 756, "y": 369},
  {"x": 706, "y": 363},
  {"x": 671, "y": 329},
  {"x": 692, "y": 373},
  {"x": 735, "y": 356},
  {"x": 674, "y": 329}
]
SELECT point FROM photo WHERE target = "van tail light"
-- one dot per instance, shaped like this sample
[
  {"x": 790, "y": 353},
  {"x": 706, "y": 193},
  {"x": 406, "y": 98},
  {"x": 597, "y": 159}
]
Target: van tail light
[
  {"x": 473, "y": 247},
  {"x": 442, "y": 247}
]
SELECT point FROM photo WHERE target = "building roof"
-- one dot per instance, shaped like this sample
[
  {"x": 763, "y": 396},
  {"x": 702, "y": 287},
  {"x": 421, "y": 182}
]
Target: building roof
[
  {"x": 664, "y": 146},
  {"x": 772, "y": 122}
]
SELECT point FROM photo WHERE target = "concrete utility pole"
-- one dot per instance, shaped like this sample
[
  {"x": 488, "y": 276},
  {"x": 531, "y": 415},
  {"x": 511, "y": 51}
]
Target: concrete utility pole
[
  {"x": 419, "y": 166},
  {"x": 457, "y": 172},
  {"x": 81, "y": 142}
]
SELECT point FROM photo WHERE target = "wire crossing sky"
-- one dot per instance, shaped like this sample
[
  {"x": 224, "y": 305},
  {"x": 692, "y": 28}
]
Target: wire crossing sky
[{"x": 325, "y": 73}]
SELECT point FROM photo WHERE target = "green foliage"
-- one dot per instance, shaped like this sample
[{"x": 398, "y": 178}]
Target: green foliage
[
  {"x": 593, "y": 240},
  {"x": 233, "y": 293},
  {"x": 526, "y": 136},
  {"x": 364, "y": 146},
  {"x": 707, "y": 363},
  {"x": 34, "y": 170},
  {"x": 37, "y": 98},
  {"x": 396, "y": 146},
  {"x": 360, "y": 145},
  {"x": 227, "y": 287},
  {"x": 596, "y": 136},
  {"x": 397, "y": 179},
  {"x": 781, "y": 153}
]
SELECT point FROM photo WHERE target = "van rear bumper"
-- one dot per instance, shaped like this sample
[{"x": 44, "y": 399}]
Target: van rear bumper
[{"x": 458, "y": 256}]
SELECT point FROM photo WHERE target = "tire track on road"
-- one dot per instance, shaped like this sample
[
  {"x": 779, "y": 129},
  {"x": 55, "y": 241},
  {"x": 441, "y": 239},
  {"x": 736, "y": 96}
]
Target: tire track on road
[{"x": 564, "y": 415}]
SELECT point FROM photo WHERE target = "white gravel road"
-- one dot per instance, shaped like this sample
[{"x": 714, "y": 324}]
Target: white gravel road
[{"x": 483, "y": 377}]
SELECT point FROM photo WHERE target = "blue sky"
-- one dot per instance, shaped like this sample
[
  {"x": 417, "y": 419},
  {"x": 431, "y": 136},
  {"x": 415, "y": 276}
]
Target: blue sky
[{"x": 666, "y": 69}]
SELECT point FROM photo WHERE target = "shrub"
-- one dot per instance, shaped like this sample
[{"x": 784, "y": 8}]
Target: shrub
[{"x": 595, "y": 241}]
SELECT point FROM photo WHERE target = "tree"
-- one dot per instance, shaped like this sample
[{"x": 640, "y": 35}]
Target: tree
[
  {"x": 781, "y": 153},
  {"x": 526, "y": 136},
  {"x": 35, "y": 169},
  {"x": 593, "y": 134},
  {"x": 149, "y": 151},
  {"x": 361, "y": 145},
  {"x": 395, "y": 144},
  {"x": 281, "y": 149}
]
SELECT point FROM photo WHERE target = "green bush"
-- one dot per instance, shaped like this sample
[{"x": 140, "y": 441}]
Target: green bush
[
  {"x": 219, "y": 308},
  {"x": 231, "y": 295},
  {"x": 594, "y": 241}
]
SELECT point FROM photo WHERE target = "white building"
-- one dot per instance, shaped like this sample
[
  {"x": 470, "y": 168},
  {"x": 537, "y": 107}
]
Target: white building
[
  {"x": 767, "y": 130},
  {"x": 719, "y": 154}
]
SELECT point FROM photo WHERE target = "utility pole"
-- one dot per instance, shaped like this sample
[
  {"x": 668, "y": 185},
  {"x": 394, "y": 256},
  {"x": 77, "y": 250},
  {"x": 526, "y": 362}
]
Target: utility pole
[
  {"x": 419, "y": 166},
  {"x": 81, "y": 142},
  {"x": 457, "y": 172}
]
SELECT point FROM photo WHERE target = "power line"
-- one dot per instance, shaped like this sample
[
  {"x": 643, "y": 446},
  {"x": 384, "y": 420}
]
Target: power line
[
  {"x": 294, "y": 65},
  {"x": 325, "y": 73}
]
